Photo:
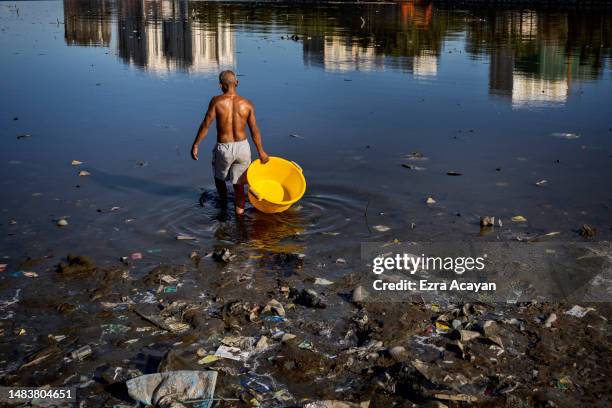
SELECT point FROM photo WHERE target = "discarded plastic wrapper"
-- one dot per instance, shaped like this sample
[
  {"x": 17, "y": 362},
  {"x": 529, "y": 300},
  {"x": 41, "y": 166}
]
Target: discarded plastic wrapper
[
  {"x": 211, "y": 358},
  {"x": 181, "y": 386},
  {"x": 323, "y": 281},
  {"x": 232, "y": 353},
  {"x": 185, "y": 237},
  {"x": 579, "y": 311}
]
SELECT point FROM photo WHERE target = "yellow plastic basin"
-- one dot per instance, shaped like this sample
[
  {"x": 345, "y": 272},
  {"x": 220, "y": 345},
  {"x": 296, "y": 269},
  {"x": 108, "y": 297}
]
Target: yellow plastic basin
[{"x": 276, "y": 185}]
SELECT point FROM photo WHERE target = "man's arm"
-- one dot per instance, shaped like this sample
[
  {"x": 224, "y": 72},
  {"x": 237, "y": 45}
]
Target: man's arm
[
  {"x": 203, "y": 130},
  {"x": 256, "y": 136}
]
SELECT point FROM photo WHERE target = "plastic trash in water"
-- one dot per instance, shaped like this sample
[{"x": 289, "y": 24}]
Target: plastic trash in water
[
  {"x": 276, "y": 319},
  {"x": 565, "y": 135},
  {"x": 81, "y": 353}
]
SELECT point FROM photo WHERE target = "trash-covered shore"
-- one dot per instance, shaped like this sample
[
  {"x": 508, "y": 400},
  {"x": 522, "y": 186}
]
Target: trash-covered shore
[{"x": 268, "y": 332}]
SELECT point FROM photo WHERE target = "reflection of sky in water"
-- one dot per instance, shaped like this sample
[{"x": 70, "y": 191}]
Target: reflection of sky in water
[
  {"x": 116, "y": 83},
  {"x": 533, "y": 57}
]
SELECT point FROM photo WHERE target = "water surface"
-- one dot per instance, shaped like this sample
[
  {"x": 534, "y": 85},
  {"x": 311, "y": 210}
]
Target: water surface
[{"x": 122, "y": 86}]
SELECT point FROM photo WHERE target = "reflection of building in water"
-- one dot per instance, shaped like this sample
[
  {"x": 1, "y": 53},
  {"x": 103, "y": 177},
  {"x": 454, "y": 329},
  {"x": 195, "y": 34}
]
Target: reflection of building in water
[
  {"x": 501, "y": 69},
  {"x": 525, "y": 69},
  {"x": 425, "y": 65},
  {"x": 335, "y": 53},
  {"x": 346, "y": 55},
  {"x": 213, "y": 50},
  {"x": 529, "y": 90},
  {"x": 160, "y": 36},
  {"x": 525, "y": 23},
  {"x": 87, "y": 22}
]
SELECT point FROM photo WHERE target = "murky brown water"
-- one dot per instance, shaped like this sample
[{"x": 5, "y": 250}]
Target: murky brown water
[{"x": 506, "y": 97}]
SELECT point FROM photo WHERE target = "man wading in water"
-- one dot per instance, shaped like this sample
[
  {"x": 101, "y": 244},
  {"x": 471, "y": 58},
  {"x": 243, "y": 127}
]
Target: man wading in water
[{"x": 232, "y": 154}]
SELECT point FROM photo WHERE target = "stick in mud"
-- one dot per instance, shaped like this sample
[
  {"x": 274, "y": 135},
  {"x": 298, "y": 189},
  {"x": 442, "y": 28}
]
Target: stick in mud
[{"x": 152, "y": 320}]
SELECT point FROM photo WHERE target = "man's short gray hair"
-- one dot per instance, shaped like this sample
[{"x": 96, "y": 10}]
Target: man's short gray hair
[{"x": 227, "y": 77}]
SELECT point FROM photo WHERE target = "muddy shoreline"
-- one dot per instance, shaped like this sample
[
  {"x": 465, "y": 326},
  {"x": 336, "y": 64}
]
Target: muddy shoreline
[{"x": 319, "y": 342}]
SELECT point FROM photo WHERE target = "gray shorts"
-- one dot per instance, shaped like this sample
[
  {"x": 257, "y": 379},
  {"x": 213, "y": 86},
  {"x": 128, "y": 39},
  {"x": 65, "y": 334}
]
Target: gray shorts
[{"x": 231, "y": 160}]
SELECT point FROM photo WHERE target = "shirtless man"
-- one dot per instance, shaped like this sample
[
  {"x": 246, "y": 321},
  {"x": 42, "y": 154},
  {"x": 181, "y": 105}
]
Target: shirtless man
[{"x": 232, "y": 153}]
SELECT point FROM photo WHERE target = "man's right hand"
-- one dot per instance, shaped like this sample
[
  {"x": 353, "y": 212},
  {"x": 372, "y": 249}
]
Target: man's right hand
[
  {"x": 264, "y": 158},
  {"x": 194, "y": 152}
]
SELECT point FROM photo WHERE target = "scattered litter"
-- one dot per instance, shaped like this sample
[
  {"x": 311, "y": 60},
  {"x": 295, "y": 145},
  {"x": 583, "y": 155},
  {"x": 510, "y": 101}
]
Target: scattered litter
[
  {"x": 413, "y": 167},
  {"x": 579, "y": 311},
  {"x": 587, "y": 231},
  {"x": 453, "y": 173},
  {"x": 565, "y": 135},
  {"x": 550, "y": 320},
  {"x": 62, "y": 222},
  {"x": 563, "y": 383},
  {"x": 84, "y": 173},
  {"x": 296, "y": 136},
  {"x": 322, "y": 281},
  {"x": 185, "y": 237},
  {"x": 381, "y": 228},
  {"x": 519, "y": 218},
  {"x": 541, "y": 183},
  {"x": 540, "y": 237},
  {"x": 442, "y": 326},
  {"x": 430, "y": 200},
  {"x": 76, "y": 163},
  {"x": 467, "y": 335},
  {"x": 136, "y": 256},
  {"x": 211, "y": 358},
  {"x": 274, "y": 306},
  {"x": 232, "y": 353},
  {"x": 170, "y": 289},
  {"x": 3, "y": 267},
  {"x": 24, "y": 136},
  {"x": 487, "y": 221},
  {"x": 306, "y": 345},
  {"x": 418, "y": 156},
  {"x": 287, "y": 337},
  {"x": 262, "y": 343},
  {"x": 359, "y": 294},
  {"x": 81, "y": 353},
  {"x": 30, "y": 274},
  {"x": 398, "y": 353},
  {"x": 154, "y": 251},
  {"x": 223, "y": 255},
  {"x": 341, "y": 261},
  {"x": 276, "y": 319}
]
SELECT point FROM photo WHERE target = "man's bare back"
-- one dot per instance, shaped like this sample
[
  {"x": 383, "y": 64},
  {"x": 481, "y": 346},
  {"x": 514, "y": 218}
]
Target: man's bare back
[
  {"x": 233, "y": 113},
  {"x": 231, "y": 155}
]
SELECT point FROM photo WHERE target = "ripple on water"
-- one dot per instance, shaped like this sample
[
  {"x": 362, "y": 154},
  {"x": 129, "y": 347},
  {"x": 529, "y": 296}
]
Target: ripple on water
[{"x": 289, "y": 231}]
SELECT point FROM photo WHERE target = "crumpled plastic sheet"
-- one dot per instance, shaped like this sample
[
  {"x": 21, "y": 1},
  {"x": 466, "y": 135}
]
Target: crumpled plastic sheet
[{"x": 165, "y": 389}]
